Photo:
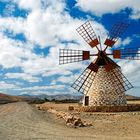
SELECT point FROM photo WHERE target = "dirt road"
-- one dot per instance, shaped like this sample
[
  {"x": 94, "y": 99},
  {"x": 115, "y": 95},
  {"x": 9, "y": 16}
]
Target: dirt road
[{"x": 21, "y": 121}]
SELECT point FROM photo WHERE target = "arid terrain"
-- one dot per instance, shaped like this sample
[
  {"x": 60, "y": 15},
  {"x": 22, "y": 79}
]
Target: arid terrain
[{"x": 22, "y": 121}]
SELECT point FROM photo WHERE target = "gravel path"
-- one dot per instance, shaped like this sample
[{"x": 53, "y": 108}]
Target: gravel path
[{"x": 21, "y": 121}]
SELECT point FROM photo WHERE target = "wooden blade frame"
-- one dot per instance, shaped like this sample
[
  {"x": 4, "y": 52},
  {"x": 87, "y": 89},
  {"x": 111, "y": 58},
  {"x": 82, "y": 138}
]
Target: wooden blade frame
[
  {"x": 69, "y": 56},
  {"x": 116, "y": 31},
  {"x": 120, "y": 82},
  {"x": 131, "y": 53},
  {"x": 85, "y": 80},
  {"x": 117, "y": 54},
  {"x": 88, "y": 34}
]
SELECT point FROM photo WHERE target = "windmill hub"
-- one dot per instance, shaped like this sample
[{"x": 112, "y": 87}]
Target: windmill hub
[
  {"x": 102, "y": 58},
  {"x": 102, "y": 82},
  {"x": 102, "y": 54}
]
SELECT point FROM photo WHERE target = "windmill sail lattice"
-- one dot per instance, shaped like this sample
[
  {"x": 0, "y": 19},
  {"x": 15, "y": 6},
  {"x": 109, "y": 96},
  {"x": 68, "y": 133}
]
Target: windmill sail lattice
[
  {"x": 88, "y": 34},
  {"x": 102, "y": 81},
  {"x": 85, "y": 80},
  {"x": 130, "y": 53},
  {"x": 69, "y": 56},
  {"x": 123, "y": 84},
  {"x": 116, "y": 31}
]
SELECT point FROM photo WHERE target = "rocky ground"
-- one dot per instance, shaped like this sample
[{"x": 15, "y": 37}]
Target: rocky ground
[{"x": 21, "y": 121}]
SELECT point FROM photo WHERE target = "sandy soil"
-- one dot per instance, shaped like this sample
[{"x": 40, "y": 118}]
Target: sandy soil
[
  {"x": 21, "y": 121},
  {"x": 133, "y": 102}
]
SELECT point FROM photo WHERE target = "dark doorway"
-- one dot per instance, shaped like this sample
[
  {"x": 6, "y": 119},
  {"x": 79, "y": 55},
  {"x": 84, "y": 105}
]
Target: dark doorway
[{"x": 86, "y": 100}]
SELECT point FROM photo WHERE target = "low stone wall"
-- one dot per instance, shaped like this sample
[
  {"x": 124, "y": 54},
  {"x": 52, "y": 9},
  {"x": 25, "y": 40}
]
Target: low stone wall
[
  {"x": 70, "y": 119},
  {"x": 125, "y": 108}
]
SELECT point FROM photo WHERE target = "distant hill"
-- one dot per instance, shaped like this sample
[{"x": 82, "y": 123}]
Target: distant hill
[
  {"x": 130, "y": 97},
  {"x": 31, "y": 99},
  {"x": 75, "y": 97},
  {"x": 4, "y": 98},
  {"x": 60, "y": 97}
]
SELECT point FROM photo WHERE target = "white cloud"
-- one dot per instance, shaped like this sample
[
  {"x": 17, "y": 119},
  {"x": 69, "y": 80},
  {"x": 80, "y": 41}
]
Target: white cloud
[
  {"x": 123, "y": 42},
  {"x": 4, "y": 85},
  {"x": 24, "y": 76},
  {"x": 48, "y": 26},
  {"x": 14, "y": 53},
  {"x": 46, "y": 87},
  {"x": 51, "y": 28},
  {"x": 18, "y": 54},
  {"x": 65, "y": 79},
  {"x": 100, "y": 7},
  {"x": 12, "y": 24},
  {"x": 28, "y": 4},
  {"x": 49, "y": 90},
  {"x": 43, "y": 26},
  {"x": 57, "y": 5},
  {"x": 126, "y": 41},
  {"x": 39, "y": 92},
  {"x": 135, "y": 15}
]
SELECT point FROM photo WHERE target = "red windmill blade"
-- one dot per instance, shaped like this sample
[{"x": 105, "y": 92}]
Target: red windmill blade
[
  {"x": 70, "y": 56},
  {"x": 130, "y": 53},
  {"x": 114, "y": 34},
  {"x": 87, "y": 33}
]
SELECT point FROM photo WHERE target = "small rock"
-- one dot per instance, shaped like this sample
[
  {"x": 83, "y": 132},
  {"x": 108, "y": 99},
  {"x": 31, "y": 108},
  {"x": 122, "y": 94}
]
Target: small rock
[
  {"x": 87, "y": 124},
  {"x": 70, "y": 108},
  {"x": 78, "y": 122},
  {"x": 69, "y": 124}
]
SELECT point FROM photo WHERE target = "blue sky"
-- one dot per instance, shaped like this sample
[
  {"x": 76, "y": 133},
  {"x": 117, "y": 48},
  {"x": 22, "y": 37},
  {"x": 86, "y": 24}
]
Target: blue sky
[{"x": 32, "y": 32}]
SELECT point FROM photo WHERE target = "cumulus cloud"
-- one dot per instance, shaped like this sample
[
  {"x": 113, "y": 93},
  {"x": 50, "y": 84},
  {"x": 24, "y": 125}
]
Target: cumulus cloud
[
  {"x": 51, "y": 29},
  {"x": 24, "y": 76},
  {"x": 4, "y": 85},
  {"x": 101, "y": 7},
  {"x": 47, "y": 89},
  {"x": 126, "y": 41},
  {"x": 28, "y": 4},
  {"x": 46, "y": 27},
  {"x": 123, "y": 42},
  {"x": 14, "y": 53},
  {"x": 65, "y": 79},
  {"x": 42, "y": 88},
  {"x": 12, "y": 24}
]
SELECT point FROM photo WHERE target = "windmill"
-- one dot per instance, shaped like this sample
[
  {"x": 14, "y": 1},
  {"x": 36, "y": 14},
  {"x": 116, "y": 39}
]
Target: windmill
[{"x": 102, "y": 82}]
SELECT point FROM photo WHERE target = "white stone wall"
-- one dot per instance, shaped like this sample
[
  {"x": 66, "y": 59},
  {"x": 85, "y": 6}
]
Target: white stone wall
[{"x": 102, "y": 91}]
